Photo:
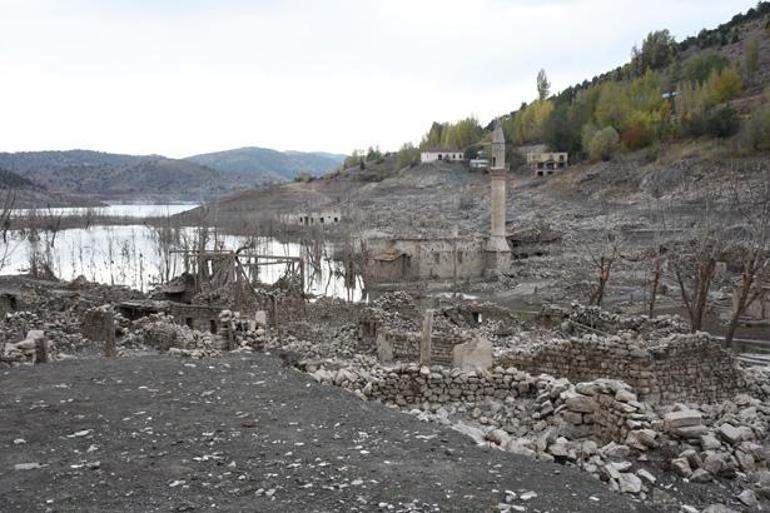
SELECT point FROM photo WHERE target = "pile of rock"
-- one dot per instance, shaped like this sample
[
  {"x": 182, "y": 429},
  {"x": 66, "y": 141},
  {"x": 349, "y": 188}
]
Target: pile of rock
[
  {"x": 35, "y": 348},
  {"x": 162, "y": 333},
  {"x": 722, "y": 444},
  {"x": 576, "y": 318}
]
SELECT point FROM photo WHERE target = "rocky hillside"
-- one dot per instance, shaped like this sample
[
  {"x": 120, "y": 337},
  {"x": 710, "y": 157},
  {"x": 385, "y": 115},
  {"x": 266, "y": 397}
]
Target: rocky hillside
[{"x": 266, "y": 165}]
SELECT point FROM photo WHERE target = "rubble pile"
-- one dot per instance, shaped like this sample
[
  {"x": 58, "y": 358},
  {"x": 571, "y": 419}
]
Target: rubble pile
[
  {"x": 25, "y": 351},
  {"x": 161, "y": 332},
  {"x": 60, "y": 328},
  {"x": 395, "y": 311},
  {"x": 577, "y": 318}
]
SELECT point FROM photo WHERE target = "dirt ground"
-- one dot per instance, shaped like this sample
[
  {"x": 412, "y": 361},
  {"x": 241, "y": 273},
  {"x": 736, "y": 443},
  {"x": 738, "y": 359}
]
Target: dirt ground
[{"x": 244, "y": 433}]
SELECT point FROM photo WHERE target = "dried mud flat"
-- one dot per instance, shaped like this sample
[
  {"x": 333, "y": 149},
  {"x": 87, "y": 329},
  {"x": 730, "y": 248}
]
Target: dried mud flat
[{"x": 245, "y": 433}]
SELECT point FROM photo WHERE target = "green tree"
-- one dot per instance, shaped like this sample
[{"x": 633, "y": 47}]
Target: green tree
[
  {"x": 702, "y": 66},
  {"x": 723, "y": 86},
  {"x": 562, "y": 130},
  {"x": 614, "y": 106},
  {"x": 354, "y": 159},
  {"x": 407, "y": 156},
  {"x": 658, "y": 50},
  {"x": 603, "y": 144},
  {"x": 373, "y": 154},
  {"x": 751, "y": 64},
  {"x": 543, "y": 85},
  {"x": 434, "y": 136}
]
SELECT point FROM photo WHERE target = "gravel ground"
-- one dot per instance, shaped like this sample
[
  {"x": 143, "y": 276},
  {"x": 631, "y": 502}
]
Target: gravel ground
[{"x": 243, "y": 433}]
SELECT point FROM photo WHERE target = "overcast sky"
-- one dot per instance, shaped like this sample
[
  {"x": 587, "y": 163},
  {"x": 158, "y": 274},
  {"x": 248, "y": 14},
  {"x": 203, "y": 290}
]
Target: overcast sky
[{"x": 180, "y": 77}]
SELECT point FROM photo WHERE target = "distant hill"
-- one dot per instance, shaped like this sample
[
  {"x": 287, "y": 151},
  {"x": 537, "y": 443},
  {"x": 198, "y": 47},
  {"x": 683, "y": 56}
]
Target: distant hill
[
  {"x": 106, "y": 175},
  {"x": 10, "y": 180},
  {"x": 267, "y": 165},
  {"x": 109, "y": 175},
  {"x": 24, "y": 193}
]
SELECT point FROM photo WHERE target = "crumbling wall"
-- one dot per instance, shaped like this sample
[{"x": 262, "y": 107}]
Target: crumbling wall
[
  {"x": 679, "y": 367},
  {"x": 605, "y": 410},
  {"x": 404, "y": 346},
  {"x": 430, "y": 258},
  {"x": 94, "y": 326},
  {"x": 197, "y": 317}
]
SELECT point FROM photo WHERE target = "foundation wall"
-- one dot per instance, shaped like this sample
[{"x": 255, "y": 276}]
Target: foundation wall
[{"x": 682, "y": 367}]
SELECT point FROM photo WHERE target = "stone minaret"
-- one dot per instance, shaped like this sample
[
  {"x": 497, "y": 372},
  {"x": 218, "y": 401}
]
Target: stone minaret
[{"x": 497, "y": 172}]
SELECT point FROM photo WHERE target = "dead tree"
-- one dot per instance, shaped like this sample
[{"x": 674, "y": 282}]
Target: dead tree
[
  {"x": 6, "y": 211},
  {"x": 602, "y": 253},
  {"x": 693, "y": 261},
  {"x": 658, "y": 256},
  {"x": 750, "y": 245}
]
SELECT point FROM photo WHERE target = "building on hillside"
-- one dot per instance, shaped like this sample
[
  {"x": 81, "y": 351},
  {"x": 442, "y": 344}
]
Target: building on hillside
[
  {"x": 312, "y": 218},
  {"x": 546, "y": 163},
  {"x": 479, "y": 163},
  {"x": 442, "y": 155}
]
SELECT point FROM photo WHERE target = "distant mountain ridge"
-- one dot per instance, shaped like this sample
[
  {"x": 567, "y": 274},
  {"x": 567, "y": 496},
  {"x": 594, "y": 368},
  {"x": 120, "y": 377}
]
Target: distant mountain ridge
[
  {"x": 109, "y": 175},
  {"x": 269, "y": 165}
]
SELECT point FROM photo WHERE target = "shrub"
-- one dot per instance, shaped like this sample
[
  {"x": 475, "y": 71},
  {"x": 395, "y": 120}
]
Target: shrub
[
  {"x": 603, "y": 144},
  {"x": 407, "y": 156},
  {"x": 720, "y": 122},
  {"x": 756, "y": 133},
  {"x": 304, "y": 176}
]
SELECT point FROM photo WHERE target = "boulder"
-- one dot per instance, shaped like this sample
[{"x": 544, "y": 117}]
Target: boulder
[
  {"x": 629, "y": 483},
  {"x": 681, "y": 466},
  {"x": 682, "y": 418}
]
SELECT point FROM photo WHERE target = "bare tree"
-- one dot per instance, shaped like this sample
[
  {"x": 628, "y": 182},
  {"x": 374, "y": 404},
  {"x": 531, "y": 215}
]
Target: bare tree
[
  {"x": 693, "y": 261},
  {"x": 656, "y": 273},
  {"x": 600, "y": 251},
  {"x": 751, "y": 200},
  {"x": 6, "y": 211}
]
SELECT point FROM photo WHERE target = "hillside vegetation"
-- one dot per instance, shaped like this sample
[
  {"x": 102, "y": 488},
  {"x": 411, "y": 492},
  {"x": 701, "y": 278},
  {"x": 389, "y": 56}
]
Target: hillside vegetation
[
  {"x": 709, "y": 86},
  {"x": 263, "y": 164}
]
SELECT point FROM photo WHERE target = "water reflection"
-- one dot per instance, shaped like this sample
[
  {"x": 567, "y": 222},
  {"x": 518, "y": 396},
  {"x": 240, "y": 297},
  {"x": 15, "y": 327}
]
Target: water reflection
[{"x": 134, "y": 255}]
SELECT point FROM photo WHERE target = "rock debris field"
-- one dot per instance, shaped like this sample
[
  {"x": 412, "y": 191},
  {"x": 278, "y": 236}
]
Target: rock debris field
[{"x": 245, "y": 433}]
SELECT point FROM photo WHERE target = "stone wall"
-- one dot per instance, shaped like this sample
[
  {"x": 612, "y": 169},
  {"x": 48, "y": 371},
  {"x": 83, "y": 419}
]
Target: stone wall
[
  {"x": 679, "y": 367},
  {"x": 404, "y": 346},
  {"x": 605, "y": 410}
]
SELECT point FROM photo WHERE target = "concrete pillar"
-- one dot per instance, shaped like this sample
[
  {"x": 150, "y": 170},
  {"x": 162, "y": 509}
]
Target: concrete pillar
[{"x": 426, "y": 346}]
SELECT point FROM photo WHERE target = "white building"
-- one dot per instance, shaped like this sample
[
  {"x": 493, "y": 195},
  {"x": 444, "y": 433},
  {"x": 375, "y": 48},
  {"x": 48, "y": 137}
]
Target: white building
[
  {"x": 313, "y": 218},
  {"x": 447, "y": 155}
]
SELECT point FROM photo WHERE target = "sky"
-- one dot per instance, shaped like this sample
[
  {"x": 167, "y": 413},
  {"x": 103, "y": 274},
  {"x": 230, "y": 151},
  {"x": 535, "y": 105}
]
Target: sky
[{"x": 183, "y": 77}]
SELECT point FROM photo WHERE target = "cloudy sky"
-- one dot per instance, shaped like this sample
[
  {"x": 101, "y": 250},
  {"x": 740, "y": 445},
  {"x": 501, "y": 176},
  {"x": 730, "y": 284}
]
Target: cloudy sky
[{"x": 180, "y": 77}]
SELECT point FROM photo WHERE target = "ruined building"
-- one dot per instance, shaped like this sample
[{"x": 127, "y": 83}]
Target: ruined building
[{"x": 398, "y": 259}]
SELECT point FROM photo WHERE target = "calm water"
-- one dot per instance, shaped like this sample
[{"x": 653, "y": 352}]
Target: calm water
[
  {"x": 122, "y": 210},
  {"x": 130, "y": 255}
]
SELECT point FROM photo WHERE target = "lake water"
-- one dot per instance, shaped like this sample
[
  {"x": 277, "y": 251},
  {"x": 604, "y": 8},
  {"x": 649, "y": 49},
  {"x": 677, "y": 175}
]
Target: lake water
[
  {"x": 130, "y": 255},
  {"x": 123, "y": 210}
]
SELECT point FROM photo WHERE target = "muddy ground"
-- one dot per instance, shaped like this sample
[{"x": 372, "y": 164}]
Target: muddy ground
[{"x": 244, "y": 433}]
